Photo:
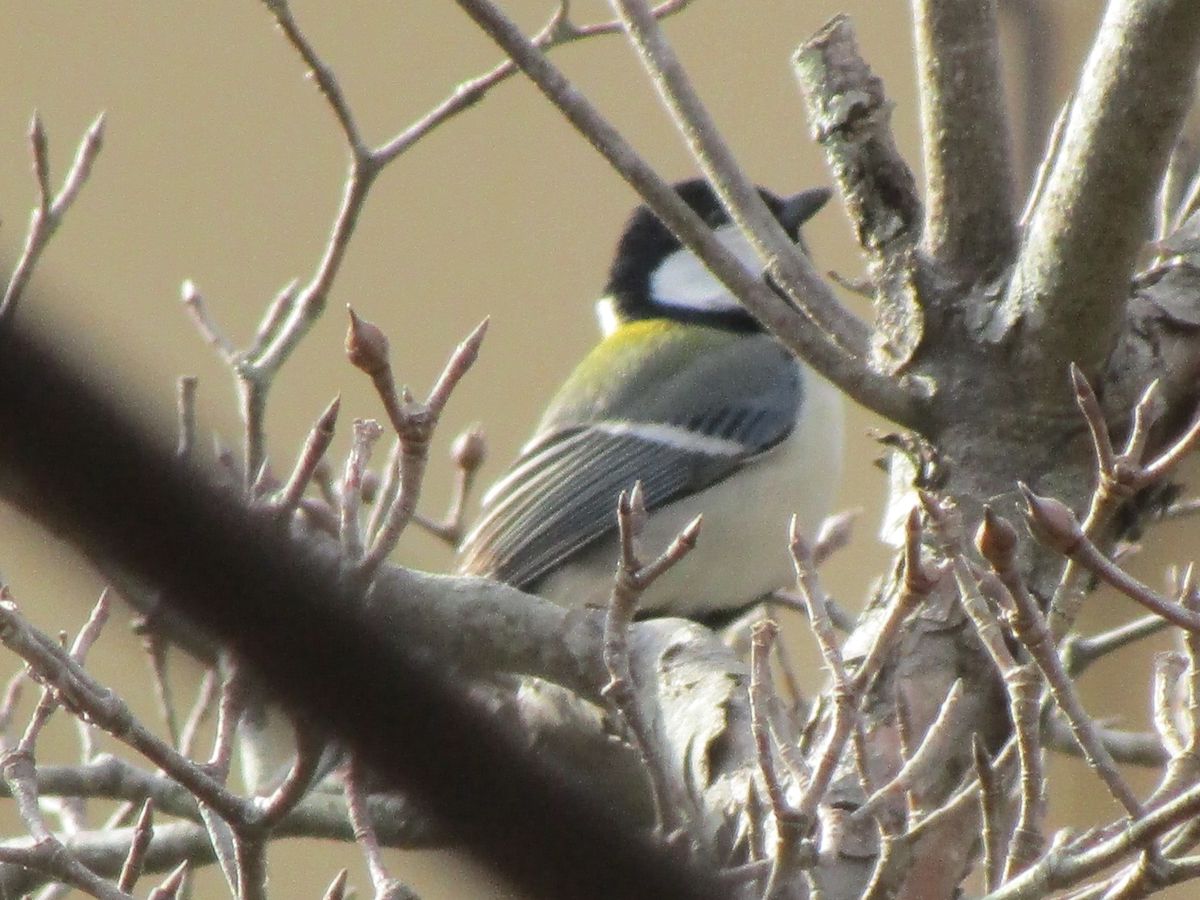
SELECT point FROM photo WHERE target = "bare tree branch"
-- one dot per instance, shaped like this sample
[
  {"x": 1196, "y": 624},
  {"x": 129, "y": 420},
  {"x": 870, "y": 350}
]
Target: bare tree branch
[
  {"x": 631, "y": 580},
  {"x": 1061, "y": 868},
  {"x": 786, "y": 264},
  {"x": 1036, "y": 31},
  {"x": 1054, "y": 523},
  {"x": 295, "y": 310},
  {"x": 965, "y": 137},
  {"x": 135, "y": 859},
  {"x": 557, "y": 31},
  {"x": 850, "y": 117},
  {"x": 1071, "y": 278},
  {"x": 468, "y": 453},
  {"x": 413, "y": 423},
  {"x": 51, "y": 208},
  {"x": 844, "y": 366}
]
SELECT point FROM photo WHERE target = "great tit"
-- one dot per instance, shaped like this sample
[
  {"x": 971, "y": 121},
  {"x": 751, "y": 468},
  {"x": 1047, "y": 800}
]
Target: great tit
[{"x": 687, "y": 394}]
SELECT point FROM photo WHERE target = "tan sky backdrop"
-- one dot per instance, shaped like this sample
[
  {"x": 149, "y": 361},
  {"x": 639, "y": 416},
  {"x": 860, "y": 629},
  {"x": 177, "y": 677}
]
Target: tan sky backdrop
[{"x": 221, "y": 164}]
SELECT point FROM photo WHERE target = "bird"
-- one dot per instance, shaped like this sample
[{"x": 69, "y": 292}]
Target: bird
[{"x": 689, "y": 396}]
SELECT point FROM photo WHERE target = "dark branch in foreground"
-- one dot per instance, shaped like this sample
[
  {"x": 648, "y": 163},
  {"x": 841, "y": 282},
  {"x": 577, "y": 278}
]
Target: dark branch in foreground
[{"x": 128, "y": 501}]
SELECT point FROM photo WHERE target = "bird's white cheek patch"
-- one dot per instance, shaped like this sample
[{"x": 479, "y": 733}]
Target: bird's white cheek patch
[{"x": 683, "y": 281}]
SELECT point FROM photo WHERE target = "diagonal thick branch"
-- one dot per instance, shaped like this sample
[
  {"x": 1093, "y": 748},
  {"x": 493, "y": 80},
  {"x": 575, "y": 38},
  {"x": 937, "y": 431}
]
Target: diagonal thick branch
[
  {"x": 1072, "y": 274},
  {"x": 247, "y": 570},
  {"x": 847, "y": 368}
]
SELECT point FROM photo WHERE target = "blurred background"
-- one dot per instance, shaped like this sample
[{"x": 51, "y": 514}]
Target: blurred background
[{"x": 222, "y": 164}]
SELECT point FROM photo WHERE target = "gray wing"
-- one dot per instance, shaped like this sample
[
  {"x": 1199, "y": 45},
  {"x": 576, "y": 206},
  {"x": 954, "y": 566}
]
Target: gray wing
[{"x": 560, "y": 495}]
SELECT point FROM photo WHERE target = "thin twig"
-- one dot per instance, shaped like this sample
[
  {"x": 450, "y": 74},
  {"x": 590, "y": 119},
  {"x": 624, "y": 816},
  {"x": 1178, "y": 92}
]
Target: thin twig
[
  {"x": 1063, "y": 867},
  {"x": 1119, "y": 477},
  {"x": 296, "y": 784},
  {"x": 206, "y": 698},
  {"x": 386, "y": 887},
  {"x": 156, "y": 648},
  {"x": 953, "y": 807},
  {"x": 790, "y": 828},
  {"x": 895, "y": 854},
  {"x": 56, "y": 863},
  {"x": 320, "y": 436},
  {"x": 414, "y": 424},
  {"x": 1020, "y": 681},
  {"x": 274, "y": 316},
  {"x": 19, "y": 773},
  {"x": 1169, "y": 668},
  {"x": 930, "y": 753},
  {"x": 917, "y": 584},
  {"x": 1030, "y": 628},
  {"x": 47, "y": 853},
  {"x": 232, "y": 702},
  {"x": 197, "y": 309},
  {"x": 1023, "y": 688},
  {"x": 186, "y": 403},
  {"x": 106, "y": 710},
  {"x": 385, "y": 496},
  {"x": 557, "y": 31},
  {"x": 317, "y": 815},
  {"x": 242, "y": 872},
  {"x": 366, "y": 433},
  {"x": 320, "y": 73},
  {"x": 143, "y": 834},
  {"x": 1049, "y": 157},
  {"x": 50, "y": 700},
  {"x": 992, "y": 805},
  {"x": 48, "y": 213},
  {"x": 468, "y": 453},
  {"x": 1079, "y": 652},
  {"x": 1055, "y": 525},
  {"x": 1135, "y": 748},
  {"x": 1093, "y": 416},
  {"x": 631, "y": 580},
  {"x": 844, "y": 710},
  {"x": 1113, "y": 486}
]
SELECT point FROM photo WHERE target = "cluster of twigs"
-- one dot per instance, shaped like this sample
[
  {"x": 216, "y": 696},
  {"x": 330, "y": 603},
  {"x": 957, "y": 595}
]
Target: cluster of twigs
[
  {"x": 1143, "y": 851},
  {"x": 1149, "y": 844}
]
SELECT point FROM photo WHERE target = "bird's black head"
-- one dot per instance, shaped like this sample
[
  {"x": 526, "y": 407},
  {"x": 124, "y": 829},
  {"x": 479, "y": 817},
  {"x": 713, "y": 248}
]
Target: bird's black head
[{"x": 654, "y": 276}]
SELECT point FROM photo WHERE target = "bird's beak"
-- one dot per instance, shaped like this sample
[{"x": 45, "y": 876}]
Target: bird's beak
[{"x": 799, "y": 208}]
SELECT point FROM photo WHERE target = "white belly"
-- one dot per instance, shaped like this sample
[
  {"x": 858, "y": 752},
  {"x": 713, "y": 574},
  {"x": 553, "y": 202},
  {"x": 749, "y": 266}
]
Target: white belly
[{"x": 742, "y": 552}]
